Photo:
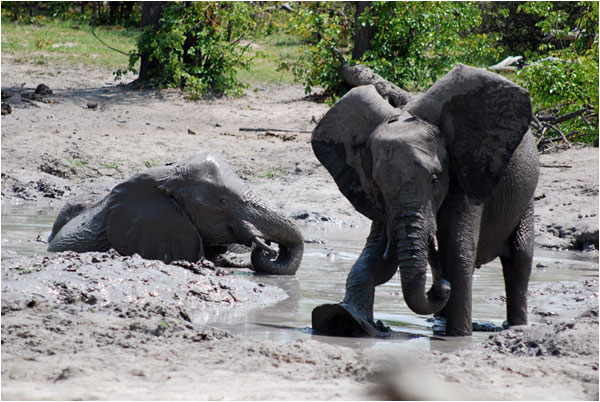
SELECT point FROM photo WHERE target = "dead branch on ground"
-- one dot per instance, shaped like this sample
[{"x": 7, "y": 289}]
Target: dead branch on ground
[{"x": 546, "y": 121}]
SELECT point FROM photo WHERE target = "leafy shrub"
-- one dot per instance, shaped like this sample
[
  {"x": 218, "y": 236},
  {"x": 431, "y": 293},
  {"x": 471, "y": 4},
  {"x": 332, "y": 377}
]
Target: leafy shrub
[
  {"x": 197, "y": 47},
  {"x": 418, "y": 42},
  {"x": 322, "y": 27},
  {"x": 413, "y": 45},
  {"x": 126, "y": 13},
  {"x": 565, "y": 79}
]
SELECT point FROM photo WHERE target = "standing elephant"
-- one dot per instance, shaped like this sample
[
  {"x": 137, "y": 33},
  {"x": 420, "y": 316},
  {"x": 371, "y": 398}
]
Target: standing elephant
[
  {"x": 448, "y": 181},
  {"x": 184, "y": 211}
]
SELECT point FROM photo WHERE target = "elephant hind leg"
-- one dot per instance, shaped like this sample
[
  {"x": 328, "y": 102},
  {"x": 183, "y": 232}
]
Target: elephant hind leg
[
  {"x": 66, "y": 214},
  {"x": 83, "y": 233},
  {"x": 516, "y": 266}
]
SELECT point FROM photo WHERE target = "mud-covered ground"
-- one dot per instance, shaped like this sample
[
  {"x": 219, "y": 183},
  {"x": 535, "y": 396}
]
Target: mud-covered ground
[{"x": 102, "y": 326}]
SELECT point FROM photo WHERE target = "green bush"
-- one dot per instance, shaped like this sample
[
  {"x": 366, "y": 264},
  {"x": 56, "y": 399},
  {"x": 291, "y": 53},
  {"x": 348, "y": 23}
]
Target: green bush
[
  {"x": 565, "y": 79},
  {"x": 198, "y": 47},
  {"x": 322, "y": 27},
  {"x": 417, "y": 42},
  {"x": 414, "y": 42}
]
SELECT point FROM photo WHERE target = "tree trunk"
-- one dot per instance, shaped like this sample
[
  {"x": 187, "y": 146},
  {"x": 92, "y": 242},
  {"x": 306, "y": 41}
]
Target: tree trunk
[
  {"x": 194, "y": 58},
  {"x": 126, "y": 11},
  {"x": 113, "y": 8},
  {"x": 362, "y": 34},
  {"x": 359, "y": 75},
  {"x": 151, "y": 11}
]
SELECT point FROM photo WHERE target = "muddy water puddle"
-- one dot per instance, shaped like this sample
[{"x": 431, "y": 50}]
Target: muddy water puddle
[{"x": 329, "y": 254}]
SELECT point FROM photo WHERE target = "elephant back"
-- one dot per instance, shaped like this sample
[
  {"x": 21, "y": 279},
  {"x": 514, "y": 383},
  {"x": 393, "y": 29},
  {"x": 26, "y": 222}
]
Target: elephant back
[{"x": 142, "y": 219}]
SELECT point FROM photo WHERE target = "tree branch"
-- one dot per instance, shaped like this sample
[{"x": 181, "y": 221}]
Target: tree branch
[
  {"x": 110, "y": 47},
  {"x": 359, "y": 75}
]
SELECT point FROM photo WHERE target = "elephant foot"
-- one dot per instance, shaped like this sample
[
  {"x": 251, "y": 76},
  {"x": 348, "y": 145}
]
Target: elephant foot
[
  {"x": 339, "y": 320},
  {"x": 487, "y": 327},
  {"x": 439, "y": 326},
  {"x": 232, "y": 260}
]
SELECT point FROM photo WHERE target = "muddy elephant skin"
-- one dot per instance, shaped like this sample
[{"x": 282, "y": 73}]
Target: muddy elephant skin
[
  {"x": 448, "y": 181},
  {"x": 184, "y": 211}
]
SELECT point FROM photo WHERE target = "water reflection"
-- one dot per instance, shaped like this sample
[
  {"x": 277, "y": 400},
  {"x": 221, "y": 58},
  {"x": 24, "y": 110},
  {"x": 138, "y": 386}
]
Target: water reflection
[
  {"x": 321, "y": 279},
  {"x": 25, "y": 229}
]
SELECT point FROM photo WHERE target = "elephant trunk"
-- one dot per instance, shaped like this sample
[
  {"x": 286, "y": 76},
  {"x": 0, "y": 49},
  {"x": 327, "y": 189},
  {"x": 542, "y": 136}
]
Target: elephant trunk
[
  {"x": 286, "y": 261},
  {"x": 270, "y": 226},
  {"x": 412, "y": 240}
]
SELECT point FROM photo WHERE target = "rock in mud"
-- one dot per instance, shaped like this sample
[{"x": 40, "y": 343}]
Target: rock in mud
[
  {"x": 6, "y": 109},
  {"x": 312, "y": 217},
  {"x": 48, "y": 189},
  {"x": 572, "y": 339},
  {"x": 56, "y": 167},
  {"x": 31, "y": 96},
  {"x": 43, "y": 90}
]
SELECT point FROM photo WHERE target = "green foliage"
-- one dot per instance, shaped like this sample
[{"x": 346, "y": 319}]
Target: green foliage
[
  {"x": 322, "y": 27},
  {"x": 98, "y": 13},
  {"x": 269, "y": 53},
  {"x": 517, "y": 32},
  {"x": 58, "y": 42},
  {"x": 417, "y": 42},
  {"x": 271, "y": 174},
  {"x": 414, "y": 42},
  {"x": 565, "y": 80},
  {"x": 150, "y": 164},
  {"x": 197, "y": 47}
]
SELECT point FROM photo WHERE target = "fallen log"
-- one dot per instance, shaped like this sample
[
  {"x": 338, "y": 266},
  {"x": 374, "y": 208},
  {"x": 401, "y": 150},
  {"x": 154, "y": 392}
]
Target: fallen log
[
  {"x": 283, "y": 130},
  {"x": 507, "y": 64},
  {"x": 555, "y": 166},
  {"x": 358, "y": 75},
  {"x": 565, "y": 117},
  {"x": 562, "y": 135}
]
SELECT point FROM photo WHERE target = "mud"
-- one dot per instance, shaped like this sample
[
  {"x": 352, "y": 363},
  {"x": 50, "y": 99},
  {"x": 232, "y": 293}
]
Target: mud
[
  {"x": 110, "y": 281},
  {"x": 102, "y": 326}
]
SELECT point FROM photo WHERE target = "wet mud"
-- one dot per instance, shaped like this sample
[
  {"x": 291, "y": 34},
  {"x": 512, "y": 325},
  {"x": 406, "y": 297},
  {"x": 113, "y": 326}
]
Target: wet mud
[
  {"x": 103, "y": 326},
  {"x": 109, "y": 281}
]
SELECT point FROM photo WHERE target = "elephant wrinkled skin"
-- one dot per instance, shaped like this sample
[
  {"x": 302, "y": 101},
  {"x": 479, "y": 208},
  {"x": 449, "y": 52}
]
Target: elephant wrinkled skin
[
  {"x": 185, "y": 211},
  {"x": 448, "y": 181}
]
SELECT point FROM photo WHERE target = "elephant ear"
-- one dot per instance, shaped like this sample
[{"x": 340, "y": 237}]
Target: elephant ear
[
  {"x": 483, "y": 118},
  {"x": 143, "y": 217},
  {"x": 341, "y": 143}
]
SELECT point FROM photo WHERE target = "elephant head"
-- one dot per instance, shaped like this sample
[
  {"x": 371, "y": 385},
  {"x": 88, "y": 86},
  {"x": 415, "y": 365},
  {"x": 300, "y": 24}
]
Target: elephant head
[
  {"x": 396, "y": 165},
  {"x": 182, "y": 211}
]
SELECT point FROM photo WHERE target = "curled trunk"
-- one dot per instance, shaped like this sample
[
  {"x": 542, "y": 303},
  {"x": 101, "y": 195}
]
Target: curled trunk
[
  {"x": 286, "y": 262},
  {"x": 268, "y": 226},
  {"x": 412, "y": 243}
]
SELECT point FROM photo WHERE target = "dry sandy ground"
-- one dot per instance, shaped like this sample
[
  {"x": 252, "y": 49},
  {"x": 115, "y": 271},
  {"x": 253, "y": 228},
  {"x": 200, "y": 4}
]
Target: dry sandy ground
[{"x": 62, "y": 340}]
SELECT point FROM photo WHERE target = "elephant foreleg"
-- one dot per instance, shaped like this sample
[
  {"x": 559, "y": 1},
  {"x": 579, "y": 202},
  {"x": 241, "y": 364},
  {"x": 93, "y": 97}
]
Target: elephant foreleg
[
  {"x": 368, "y": 272},
  {"x": 459, "y": 236},
  {"x": 517, "y": 269},
  {"x": 354, "y": 315}
]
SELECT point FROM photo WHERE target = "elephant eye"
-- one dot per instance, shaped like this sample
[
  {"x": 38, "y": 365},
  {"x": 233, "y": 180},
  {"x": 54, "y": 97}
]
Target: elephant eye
[{"x": 434, "y": 178}]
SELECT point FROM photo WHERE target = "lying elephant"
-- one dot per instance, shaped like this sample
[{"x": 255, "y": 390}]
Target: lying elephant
[
  {"x": 448, "y": 181},
  {"x": 184, "y": 211}
]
